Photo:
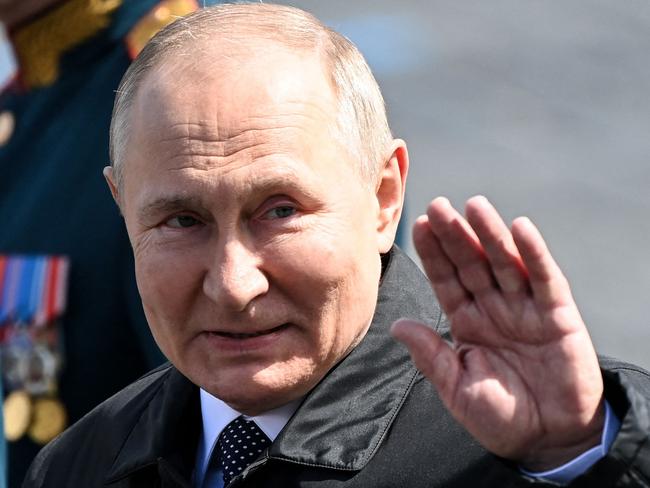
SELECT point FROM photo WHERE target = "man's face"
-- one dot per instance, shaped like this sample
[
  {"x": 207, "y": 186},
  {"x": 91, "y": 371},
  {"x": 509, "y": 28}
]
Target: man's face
[{"x": 255, "y": 241}]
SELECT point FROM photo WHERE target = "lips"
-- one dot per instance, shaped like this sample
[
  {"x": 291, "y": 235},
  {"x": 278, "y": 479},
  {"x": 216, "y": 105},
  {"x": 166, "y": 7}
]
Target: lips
[{"x": 240, "y": 335}]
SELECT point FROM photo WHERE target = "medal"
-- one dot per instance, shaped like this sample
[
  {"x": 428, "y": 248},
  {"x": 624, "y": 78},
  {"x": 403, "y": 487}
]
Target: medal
[
  {"x": 14, "y": 361},
  {"x": 17, "y": 410},
  {"x": 48, "y": 420},
  {"x": 42, "y": 368},
  {"x": 32, "y": 298},
  {"x": 33, "y": 289}
]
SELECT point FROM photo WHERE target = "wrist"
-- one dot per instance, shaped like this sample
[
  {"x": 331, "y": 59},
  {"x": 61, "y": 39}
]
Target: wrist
[{"x": 553, "y": 457}]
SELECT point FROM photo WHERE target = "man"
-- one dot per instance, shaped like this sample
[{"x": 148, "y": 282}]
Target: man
[
  {"x": 54, "y": 120},
  {"x": 261, "y": 191}
]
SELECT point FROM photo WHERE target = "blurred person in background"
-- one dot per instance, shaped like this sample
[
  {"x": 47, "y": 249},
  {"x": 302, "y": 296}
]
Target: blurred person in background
[
  {"x": 3, "y": 449},
  {"x": 68, "y": 340}
]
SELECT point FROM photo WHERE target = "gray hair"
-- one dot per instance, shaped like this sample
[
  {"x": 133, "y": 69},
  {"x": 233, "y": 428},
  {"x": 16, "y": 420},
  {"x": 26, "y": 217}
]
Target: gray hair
[{"x": 362, "y": 126}]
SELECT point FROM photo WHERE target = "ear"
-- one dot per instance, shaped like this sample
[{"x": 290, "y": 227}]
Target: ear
[
  {"x": 109, "y": 175},
  {"x": 390, "y": 190}
]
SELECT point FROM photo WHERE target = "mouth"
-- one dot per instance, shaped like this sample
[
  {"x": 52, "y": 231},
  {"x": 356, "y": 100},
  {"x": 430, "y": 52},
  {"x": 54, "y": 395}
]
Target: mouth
[{"x": 242, "y": 336}]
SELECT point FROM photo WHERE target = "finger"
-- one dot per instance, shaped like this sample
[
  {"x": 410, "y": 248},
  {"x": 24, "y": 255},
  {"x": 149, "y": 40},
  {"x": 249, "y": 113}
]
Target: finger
[
  {"x": 499, "y": 246},
  {"x": 550, "y": 287},
  {"x": 431, "y": 355},
  {"x": 438, "y": 268},
  {"x": 461, "y": 245}
]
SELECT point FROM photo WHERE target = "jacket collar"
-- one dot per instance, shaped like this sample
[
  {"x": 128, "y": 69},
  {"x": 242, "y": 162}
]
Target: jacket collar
[
  {"x": 340, "y": 424},
  {"x": 165, "y": 436},
  {"x": 344, "y": 420}
]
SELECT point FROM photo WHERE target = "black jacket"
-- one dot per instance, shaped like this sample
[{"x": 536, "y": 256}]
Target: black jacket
[{"x": 373, "y": 421}]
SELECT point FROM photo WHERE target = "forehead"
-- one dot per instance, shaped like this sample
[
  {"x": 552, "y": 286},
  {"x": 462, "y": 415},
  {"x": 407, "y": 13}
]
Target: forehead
[
  {"x": 234, "y": 87},
  {"x": 221, "y": 111}
]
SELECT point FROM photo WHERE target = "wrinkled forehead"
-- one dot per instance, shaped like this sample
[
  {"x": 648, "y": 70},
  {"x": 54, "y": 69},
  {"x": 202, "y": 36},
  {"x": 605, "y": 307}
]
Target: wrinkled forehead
[{"x": 232, "y": 86}]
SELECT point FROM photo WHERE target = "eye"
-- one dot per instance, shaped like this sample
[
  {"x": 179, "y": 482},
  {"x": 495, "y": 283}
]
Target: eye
[
  {"x": 280, "y": 212},
  {"x": 181, "y": 222}
]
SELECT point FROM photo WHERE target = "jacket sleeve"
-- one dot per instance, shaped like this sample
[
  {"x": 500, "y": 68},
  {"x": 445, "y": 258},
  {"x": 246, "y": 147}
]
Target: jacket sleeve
[{"x": 627, "y": 464}]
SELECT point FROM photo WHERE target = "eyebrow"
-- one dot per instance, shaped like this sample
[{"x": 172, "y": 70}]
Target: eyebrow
[
  {"x": 175, "y": 202},
  {"x": 168, "y": 204}
]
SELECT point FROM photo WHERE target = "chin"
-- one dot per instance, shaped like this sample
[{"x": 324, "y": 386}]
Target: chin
[{"x": 267, "y": 388}]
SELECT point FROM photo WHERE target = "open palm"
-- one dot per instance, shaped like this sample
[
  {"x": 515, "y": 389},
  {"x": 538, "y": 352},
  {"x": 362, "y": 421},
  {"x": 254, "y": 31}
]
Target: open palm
[{"x": 521, "y": 375}]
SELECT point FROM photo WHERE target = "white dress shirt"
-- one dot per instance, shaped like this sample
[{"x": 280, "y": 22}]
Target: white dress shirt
[{"x": 216, "y": 415}]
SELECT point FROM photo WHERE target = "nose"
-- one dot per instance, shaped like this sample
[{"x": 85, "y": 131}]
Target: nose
[{"x": 235, "y": 277}]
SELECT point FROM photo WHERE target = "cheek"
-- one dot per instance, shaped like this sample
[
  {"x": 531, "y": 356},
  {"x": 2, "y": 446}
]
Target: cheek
[
  {"x": 167, "y": 285},
  {"x": 162, "y": 271},
  {"x": 335, "y": 289}
]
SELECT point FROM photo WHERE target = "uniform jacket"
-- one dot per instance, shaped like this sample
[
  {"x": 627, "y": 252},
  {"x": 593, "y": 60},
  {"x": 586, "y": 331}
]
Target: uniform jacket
[
  {"x": 373, "y": 421},
  {"x": 54, "y": 201}
]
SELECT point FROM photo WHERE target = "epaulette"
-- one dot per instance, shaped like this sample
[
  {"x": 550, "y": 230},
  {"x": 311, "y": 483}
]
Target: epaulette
[
  {"x": 161, "y": 15},
  {"x": 40, "y": 44}
]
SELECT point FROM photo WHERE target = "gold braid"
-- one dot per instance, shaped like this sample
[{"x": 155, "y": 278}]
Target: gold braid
[{"x": 40, "y": 44}]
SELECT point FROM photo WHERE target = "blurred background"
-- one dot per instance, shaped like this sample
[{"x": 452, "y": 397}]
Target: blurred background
[
  {"x": 7, "y": 63},
  {"x": 544, "y": 107}
]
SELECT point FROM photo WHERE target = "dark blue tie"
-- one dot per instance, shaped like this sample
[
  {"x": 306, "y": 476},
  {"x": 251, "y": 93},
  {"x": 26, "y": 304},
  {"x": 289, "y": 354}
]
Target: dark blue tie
[{"x": 239, "y": 444}]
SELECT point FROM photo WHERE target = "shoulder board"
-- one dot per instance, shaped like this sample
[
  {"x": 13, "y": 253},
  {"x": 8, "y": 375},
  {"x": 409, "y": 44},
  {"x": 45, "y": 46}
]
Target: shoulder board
[{"x": 162, "y": 14}]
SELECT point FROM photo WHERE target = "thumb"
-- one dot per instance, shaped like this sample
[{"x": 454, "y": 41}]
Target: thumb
[{"x": 430, "y": 353}]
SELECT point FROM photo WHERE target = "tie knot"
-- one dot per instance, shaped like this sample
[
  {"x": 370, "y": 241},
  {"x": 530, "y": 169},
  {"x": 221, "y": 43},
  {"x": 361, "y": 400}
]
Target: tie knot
[{"x": 239, "y": 444}]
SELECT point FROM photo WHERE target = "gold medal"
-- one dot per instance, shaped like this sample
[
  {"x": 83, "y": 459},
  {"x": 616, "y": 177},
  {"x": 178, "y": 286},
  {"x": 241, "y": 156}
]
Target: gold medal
[
  {"x": 7, "y": 125},
  {"x": 17, "y": 414},
  {"x": 48, "y": 420}
]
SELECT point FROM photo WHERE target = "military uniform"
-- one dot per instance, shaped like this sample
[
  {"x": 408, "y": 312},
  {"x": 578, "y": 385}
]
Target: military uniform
[{"x": 54, "y": 123}]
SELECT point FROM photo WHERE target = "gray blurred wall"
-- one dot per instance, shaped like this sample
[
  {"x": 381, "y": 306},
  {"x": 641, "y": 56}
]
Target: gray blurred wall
[{"x": 542, "y": 106}]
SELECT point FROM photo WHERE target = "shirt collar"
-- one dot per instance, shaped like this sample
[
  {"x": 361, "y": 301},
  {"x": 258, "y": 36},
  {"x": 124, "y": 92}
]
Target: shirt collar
[{"x": 216, "y": 415}]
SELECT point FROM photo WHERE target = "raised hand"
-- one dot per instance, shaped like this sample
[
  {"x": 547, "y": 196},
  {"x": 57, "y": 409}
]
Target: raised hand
[{"x": 521, "y": 375}]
